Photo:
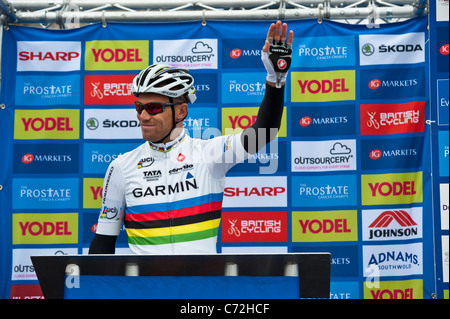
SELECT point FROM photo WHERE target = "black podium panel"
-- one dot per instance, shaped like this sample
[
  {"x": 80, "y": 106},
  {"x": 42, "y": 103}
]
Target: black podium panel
[{"x": 313, "y": 268}]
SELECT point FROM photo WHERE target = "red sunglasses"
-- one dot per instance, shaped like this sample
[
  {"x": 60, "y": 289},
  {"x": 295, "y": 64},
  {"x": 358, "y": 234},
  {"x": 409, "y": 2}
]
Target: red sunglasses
[{"x": 153, "y": 108}]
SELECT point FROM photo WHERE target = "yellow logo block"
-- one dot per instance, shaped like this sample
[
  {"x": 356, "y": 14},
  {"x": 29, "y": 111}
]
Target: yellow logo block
[
  {"x": 387, "y": 189},
  {"x": 323, "y": 86},
  {"x": 407, "y": 289},
  {"x": 116, "y": 55},
  {"x": 55, "y": 228},
  {"x": 237, "y": 119},
  {"x": 47, "y": 124},
  {"x": 325, "y": 226},
  {"x": 92, "y": 192}
]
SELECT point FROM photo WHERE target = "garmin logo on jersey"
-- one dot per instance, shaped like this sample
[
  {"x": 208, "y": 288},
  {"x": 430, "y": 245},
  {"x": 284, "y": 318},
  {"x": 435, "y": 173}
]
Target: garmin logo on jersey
[{"x": 183, "y": 186}]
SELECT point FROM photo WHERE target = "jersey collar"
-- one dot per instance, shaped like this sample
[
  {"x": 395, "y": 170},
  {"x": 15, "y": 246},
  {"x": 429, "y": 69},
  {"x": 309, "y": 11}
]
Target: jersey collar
[{"x": 167, "y": 147}]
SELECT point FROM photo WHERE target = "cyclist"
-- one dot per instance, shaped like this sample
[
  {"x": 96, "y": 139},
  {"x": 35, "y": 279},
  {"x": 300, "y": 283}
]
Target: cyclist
[{"x": 168, "y": 191}]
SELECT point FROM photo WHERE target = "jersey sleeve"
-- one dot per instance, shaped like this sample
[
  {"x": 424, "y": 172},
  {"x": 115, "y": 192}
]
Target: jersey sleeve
[
  {"x": 113, "y": 202},
  {"x": 222, "y": 153}
]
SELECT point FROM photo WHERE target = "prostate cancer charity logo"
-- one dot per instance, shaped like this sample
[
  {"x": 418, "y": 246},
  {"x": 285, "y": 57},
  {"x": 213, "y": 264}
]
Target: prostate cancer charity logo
[{"x": 116, "y": 55}]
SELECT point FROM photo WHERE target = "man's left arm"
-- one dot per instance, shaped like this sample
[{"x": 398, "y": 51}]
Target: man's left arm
[{"x": 276, "y": 56}]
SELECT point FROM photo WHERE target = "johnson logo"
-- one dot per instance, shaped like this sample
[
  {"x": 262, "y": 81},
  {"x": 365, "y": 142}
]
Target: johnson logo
[
  {"x": 48, "y": 56},
  {"x": 380, "y": 226}
]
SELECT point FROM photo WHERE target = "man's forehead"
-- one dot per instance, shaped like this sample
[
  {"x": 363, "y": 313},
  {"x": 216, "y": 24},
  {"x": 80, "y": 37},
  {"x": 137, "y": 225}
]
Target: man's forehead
[{"x": 152, "y": 97}]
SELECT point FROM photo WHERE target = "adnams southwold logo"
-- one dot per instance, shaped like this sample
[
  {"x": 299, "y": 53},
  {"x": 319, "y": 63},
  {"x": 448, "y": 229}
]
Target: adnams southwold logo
[
  {"x": 187, "y": 53},
  {"x": 56, "y": 56}
]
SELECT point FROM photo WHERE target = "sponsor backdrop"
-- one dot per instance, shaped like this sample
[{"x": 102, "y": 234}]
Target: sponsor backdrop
[{"x": 350, "y": 172}]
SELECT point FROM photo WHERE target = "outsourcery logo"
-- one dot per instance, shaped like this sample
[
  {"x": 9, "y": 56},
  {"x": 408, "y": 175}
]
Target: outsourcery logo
[
  {"x": 392, "y": 49},
  {"x": 392, "y": 224},
  {"x": 237, "y": 119},
  {"x": 325, "y": 226},
  {"x": 108, "y": 89},
  {"x": 323, "y": 86},
  {"x": 382, "y": 119},
  {"x": 187, "y": 53},
  {"x": 55, "y": 56},
  {"x": 239, "y": 227},
  {"x": 397, "y": 188},
  {"x": 393, "y": 260},
  {"x": 47, "y": 124},
  {"x": 55, "y": 228},
  {"x": 334, "y": 155},
  {"x": 116, "y": 55},
  {"x": 255, "y": 192},
  {"x": 405, "y": 289}
]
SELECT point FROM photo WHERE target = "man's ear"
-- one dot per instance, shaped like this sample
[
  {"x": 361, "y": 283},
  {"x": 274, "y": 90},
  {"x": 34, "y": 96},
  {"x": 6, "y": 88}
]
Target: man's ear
[{"x": 182, "y": 111}]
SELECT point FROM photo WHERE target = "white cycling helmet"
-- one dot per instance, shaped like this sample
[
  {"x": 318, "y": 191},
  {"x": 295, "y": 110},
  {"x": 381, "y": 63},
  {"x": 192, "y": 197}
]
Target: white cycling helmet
[{"x": 165, "y": 80}]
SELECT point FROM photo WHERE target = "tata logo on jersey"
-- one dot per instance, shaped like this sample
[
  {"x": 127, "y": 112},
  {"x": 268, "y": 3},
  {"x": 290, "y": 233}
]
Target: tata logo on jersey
[
  {"x": 386, "y": 189},
  {"x": 116, "y": 55},
  {"x": 47, "y": 124},
  {"x": 392, "y": 49},
  {"x": 108, "y": 89},
  {"x": 55, "y": 56},
  {"x": 241, "y": 227},
  {"x": 382, "y": 119},
  {"x": 55, "y": 228},
  {"x": 324, "y": 226},
  {"x": 392, "y": 224},
  {"x": 255, "y": 192},
  {"x": 405, "y": 289},
  {"x": 323, "y": 86}
]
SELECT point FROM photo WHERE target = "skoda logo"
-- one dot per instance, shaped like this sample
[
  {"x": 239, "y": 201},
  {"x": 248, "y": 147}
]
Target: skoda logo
[
  {"x": 92, "y": 123},
  {"x": 368, "y": 49}
]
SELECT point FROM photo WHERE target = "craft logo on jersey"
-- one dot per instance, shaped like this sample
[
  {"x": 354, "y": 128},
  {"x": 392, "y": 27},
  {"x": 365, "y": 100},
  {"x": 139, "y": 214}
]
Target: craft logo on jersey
[
  {"x": 241, "y": 227},
  {"x": 378, "y": 49},
  {"x": 55, "y": 56},
  {"x": 324, "y": 51},
  {"x": 382, "y": 119},
  {"x": 255, "y": 192},
  {"x": 323, "y": 86},
  {"x": 393, "y": 260},
  {"x": 325, "y": 226},
  {"x": 387, "y": 189},
  {"x": 188, "y": 53},
  {"x": 392, "y": 224},
  {"x": 334, "y": 155},
  {"x": 47, "y": 124},
  {"x": 108, "y": 89},
  {"x": 54, "y": 228},
  {"x": 116, "y": 55}
]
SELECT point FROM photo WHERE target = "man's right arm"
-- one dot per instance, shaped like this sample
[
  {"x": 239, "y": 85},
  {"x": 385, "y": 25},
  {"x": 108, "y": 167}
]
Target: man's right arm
[{"x": 111, "y": 214}]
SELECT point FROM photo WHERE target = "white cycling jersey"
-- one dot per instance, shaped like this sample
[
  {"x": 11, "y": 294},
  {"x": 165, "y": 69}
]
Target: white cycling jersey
[{"x": 169, "y": 196}]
